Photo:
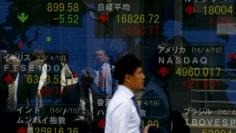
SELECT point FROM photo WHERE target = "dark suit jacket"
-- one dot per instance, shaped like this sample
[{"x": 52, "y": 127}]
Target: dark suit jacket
[
  {"x": 8, "y": 120},
  {"x": 157, "y": 91},
  {"x": 22, "y": 93},
  {"x": 71, "y": 98},
  {"x": 73, "y": 93}
]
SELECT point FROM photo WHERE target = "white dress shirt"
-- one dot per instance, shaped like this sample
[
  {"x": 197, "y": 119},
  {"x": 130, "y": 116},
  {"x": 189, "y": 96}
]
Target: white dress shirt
[
  {"x": 107, "y": 72},
  {"x": 16, "y": 82},
  {"x": 121, "y": 115},
  {"x": 43, "y": 77},
  {"x": 65, "y": 72}
]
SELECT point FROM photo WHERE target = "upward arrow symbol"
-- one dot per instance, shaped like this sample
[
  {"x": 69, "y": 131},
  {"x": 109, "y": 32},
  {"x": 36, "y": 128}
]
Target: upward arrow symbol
[
  {"x": 22, "y": 17},
  {"x": 103, "y": 18},
  {"x": 163, "y": 71}
]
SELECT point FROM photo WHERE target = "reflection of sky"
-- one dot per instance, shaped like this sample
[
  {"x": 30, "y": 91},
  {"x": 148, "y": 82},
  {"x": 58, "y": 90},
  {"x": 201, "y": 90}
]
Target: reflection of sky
[
  {"x": 79, "y": 42},
  {"x": 172, "y": 28},
  {"x": 202, "y": 36},
  {"x": 63, "y": 39},
  {"x": 4, "y": 10}
]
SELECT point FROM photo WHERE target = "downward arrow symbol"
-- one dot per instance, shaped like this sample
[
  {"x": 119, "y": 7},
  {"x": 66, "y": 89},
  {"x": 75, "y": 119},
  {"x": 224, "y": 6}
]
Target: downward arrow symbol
[{"x": 22, "y": 17}]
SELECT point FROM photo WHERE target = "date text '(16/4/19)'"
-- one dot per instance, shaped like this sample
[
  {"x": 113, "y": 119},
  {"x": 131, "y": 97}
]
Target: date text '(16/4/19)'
[{"x": 31, "y": 68}]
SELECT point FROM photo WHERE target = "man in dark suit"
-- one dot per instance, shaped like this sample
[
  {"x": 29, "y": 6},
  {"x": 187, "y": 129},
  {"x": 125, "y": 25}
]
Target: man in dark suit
[
  {"x": 79, "y": 96},
  {"x": 13, "y": 94},
  {"x": 12, "y": 77},
  {"x": 157, "y": 90}
]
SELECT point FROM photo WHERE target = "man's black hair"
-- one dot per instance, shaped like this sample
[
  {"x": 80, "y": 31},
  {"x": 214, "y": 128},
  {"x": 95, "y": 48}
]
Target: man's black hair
[{"x": 126, "y": 65}]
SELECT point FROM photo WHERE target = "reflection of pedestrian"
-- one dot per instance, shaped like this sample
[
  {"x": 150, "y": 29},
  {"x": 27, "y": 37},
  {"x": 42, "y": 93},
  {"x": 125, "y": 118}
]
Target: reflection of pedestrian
[
  {"x": 49, "y": 85},
  {"x": 81, "y": 95},
  {"x": 156, "y": 89},
  {"x": 123, "y": 114},
  {"x": 75, "y": 96},
  {"x": 103, "y": 79},
  {"x": 65, "y": 74},
  {"x": 87, "y": 95},
  {"x": 51, "y": 77},
  {"x": 71, "y": 100},
  {"x": 32, "y": 77},
  {"x": 13, "y": 94}
]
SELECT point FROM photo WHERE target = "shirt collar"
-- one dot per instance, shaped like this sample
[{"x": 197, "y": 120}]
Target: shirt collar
[
  {"x": 105, "y": 64},
  {"x": 126, "y": 90},
  {"x": 16, "y": 80}
]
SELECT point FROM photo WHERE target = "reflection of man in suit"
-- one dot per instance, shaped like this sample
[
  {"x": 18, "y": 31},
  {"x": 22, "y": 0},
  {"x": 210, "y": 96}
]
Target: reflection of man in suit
[
  {"x": 156, "y": 89},
  {"x": 12, "y": 82},
  {"x": 79, "y": 95},
  {"x": 103, "y": 79},
  {"x": 33, "y": 73},
  {"x": 53, "y": 75},
  {"x": 13, "y": 93},
  {"x": 88, "y": 101}
]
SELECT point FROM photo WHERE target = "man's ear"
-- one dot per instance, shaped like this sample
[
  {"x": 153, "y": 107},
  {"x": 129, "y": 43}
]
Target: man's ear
[{"x": 127, "y": 78}]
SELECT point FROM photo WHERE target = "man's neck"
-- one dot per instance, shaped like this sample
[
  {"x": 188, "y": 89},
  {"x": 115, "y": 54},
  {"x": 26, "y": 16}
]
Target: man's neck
[{"x": 127, "y": 86}]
